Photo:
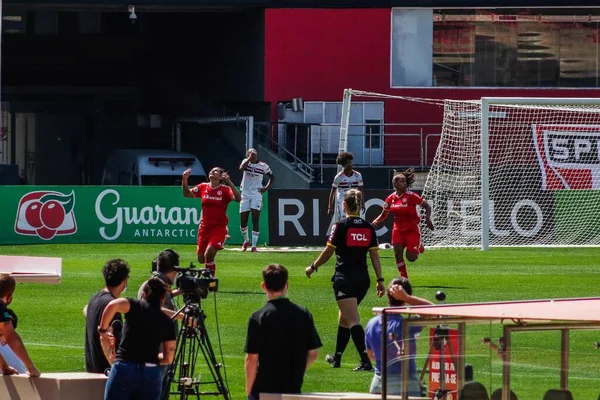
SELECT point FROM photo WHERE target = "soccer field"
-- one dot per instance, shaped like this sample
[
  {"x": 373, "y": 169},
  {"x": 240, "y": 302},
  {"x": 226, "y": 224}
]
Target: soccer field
[{"x": 52, "y": 324}]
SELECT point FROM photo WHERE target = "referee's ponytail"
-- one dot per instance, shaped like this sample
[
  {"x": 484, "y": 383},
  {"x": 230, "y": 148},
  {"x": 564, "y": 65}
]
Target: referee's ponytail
[{"x": 353, "y": 200}]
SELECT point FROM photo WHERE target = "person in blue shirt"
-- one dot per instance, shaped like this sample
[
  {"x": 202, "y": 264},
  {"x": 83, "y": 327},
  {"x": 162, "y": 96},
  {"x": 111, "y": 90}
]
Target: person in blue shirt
[{"x": 399, "y": 294}]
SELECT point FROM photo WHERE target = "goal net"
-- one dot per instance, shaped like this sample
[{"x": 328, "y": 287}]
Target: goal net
[{"x": 515, "y": 172}]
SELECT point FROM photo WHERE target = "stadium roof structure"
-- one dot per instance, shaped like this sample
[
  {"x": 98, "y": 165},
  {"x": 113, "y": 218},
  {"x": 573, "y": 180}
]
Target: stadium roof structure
[
  {"x": 220, "y": 4},
  {"x": 527, "y": 315},
  {"x": 577, "y": 309}
]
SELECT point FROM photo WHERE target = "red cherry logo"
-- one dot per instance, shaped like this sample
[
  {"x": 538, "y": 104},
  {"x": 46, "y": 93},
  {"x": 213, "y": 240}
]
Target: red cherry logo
[
  {"x": 45, "y": 233},
  {"x": 32, "y": 214},
  {"x": 52, "y": 214}
]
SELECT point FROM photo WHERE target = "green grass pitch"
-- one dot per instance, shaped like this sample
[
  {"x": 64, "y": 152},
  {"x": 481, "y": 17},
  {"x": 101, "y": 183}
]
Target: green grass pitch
[{"x": 52, "y": 324}]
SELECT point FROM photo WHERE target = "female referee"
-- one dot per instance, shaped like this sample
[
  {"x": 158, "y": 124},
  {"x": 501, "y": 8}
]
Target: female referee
[
  {"x": 215, "y": 197},
  {"x": 351, "y": 239},
  {"x": 406, "y": 233}
]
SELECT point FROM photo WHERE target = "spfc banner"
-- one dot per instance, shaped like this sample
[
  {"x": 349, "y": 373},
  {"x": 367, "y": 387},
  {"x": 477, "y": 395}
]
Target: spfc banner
[{"x": 569, "y": 155}]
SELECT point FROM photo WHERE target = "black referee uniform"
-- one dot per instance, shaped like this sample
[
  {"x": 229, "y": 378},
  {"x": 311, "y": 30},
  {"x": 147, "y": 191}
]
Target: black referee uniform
[{"x": 352, "y": 238}]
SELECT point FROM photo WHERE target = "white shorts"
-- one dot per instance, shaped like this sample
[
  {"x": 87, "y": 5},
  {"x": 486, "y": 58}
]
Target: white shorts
[
  {"x": 252, "y": 202},
  {"x": 339, "y": 213}
]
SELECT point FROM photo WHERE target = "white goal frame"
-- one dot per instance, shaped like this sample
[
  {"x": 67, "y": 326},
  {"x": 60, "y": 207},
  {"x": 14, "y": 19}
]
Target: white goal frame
[
  {"x": 486, "y": 102},
  {"x": 485, "y": 117}
]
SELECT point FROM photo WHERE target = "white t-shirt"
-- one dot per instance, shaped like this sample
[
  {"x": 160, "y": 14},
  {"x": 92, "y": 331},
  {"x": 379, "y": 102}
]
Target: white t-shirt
[
  {"x": 252, "y": 179},
  {"x": 343, "y": 183}
]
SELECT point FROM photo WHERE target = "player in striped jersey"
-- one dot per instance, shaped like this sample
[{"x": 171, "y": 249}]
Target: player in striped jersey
[
  {"x": 253, "y": 172},
  {"x": 347, "y": 179}
]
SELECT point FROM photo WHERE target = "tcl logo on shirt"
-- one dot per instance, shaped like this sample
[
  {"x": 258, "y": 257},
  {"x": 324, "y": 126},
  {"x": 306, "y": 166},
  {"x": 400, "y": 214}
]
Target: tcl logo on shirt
[{"x": 358, "y": 237}]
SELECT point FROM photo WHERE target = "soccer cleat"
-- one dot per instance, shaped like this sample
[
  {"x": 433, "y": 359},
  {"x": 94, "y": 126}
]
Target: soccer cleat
[
  {"x": 421, "y": 249},
  {"x": 364, "y": 366},
  {"x": 254, "y": 250},
  {"x": 334, "y": 360},
  {"x": 245, "y": 246}
]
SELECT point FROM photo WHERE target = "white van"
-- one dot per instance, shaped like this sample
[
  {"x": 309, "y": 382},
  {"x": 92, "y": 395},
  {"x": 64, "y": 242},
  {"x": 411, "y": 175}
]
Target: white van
[{"x": 140, "y": 167}]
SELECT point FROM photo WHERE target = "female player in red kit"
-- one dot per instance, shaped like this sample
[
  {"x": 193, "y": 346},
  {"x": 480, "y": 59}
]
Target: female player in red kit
[
  {"x": 215, "y": 195},
  {"x": 406, "y": 233}
]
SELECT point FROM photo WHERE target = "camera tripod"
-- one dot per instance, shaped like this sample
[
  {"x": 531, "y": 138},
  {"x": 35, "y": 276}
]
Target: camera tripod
[
  {"x": 440, "y": 340},
  {"x": 191, "y": 340}
]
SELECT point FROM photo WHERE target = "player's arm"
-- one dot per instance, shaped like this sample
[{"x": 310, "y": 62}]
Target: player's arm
[
  {"x": 384, "y": 213},
  {"x": 244, "y": 164},
  {"x": 381, "y": 218},
  {"x": 13, "y": 339},
  {"x": 327, "y": 252},
  {"x": 236, "y": 194},
  {"x": 427, "y": 208},
  {"x": 269, "y": 182},
  {"x": 330, "y": 207},
  {"x": 374, "y": 254},
  {"x": 184, "y": 183}
]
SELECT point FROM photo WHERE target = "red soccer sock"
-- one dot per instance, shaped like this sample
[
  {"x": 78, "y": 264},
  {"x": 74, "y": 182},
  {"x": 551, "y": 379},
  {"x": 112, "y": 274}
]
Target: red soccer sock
[
  {"x": 212, "y": 266},
  {"x": 402, "y": 269}
]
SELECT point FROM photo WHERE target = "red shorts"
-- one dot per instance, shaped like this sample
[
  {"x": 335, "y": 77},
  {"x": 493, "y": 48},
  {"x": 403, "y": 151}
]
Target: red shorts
[
  {"x": 211, "y": 236},
  {"x": 410, "y": 239}
]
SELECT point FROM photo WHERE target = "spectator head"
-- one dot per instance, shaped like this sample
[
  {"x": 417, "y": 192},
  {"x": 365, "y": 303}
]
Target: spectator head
[
  {"x": 405, "y": 283},
  {"x": 7, "y": 288},
  {"x": 275, "y": 278},
  {"x": 116, "y": 272},
  {"x": 155, "y": 291}
]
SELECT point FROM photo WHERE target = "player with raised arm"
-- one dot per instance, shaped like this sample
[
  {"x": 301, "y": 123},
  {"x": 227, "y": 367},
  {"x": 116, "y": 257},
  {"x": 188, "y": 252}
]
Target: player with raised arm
[
  {"x": 215, "y": 195},
  {"x": 253, "y": 173},
  {"x": 345, "y": 180},
  {"x": 406, "y": 233}
]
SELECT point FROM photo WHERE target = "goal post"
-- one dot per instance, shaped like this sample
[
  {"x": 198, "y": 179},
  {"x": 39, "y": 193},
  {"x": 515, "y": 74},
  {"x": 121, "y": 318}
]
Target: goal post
[
  {"x": 539, "y": 159},
  {"x": 513, "y": 172},
  {"x": 344, "y": 123}
]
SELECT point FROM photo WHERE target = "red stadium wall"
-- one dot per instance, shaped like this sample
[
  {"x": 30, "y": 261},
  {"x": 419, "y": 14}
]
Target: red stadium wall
[{"x": 317, "y": 53}]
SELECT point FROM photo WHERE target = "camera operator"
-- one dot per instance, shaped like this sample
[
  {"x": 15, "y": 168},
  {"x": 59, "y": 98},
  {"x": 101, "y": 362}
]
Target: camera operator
[
  {"x": 116, "y": 275},
  {"x": 163, "y": 267},
  {"x": 399, "y": 294},
  {"x": 148, "y": 331},
  {"x": 8, "y": 334}
]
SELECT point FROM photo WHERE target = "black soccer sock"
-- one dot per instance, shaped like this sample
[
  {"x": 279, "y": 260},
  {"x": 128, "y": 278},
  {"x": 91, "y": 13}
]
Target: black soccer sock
[
  {"x": 343, "y": 337},
  {"x": 358, "y": 337}
]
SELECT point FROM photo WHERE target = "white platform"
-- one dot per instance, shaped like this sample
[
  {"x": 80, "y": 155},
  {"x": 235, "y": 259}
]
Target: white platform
[{"x": 53, "y": 386}]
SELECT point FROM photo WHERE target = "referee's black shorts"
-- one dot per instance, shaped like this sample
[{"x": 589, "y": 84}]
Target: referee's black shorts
[{"x": 345, "y": 288}]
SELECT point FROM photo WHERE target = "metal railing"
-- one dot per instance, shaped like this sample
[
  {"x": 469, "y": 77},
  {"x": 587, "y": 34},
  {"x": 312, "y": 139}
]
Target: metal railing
[
  {"x": 264, "y": 135},
  {"x": 310, "y": 146}
]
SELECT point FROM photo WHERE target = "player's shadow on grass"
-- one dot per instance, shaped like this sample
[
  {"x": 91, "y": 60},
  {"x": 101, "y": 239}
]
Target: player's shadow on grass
[
  {"x": 241, "y": 292},
  {"x": 441, "y": 287}
]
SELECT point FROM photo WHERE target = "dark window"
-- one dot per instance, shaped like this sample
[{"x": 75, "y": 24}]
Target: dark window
[{"x": 372, "y": 133}]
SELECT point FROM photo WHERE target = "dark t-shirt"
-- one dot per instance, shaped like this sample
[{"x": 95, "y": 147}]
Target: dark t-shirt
[
  {"x": 352, "y": 238},
  {"x": 7, "y": 315},
  {"x": 146, "y": 328},
  {"x": 281, "y": 333},
  {"x": 95, "y": 362}
]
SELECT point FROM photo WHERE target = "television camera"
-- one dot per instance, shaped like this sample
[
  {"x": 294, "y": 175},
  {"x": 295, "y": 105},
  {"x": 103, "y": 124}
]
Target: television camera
[{"x": 195, "y": 283}]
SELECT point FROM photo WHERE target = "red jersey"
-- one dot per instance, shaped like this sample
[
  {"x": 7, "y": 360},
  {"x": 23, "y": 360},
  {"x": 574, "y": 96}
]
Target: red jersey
[
  {"x": 404, "y": 208},
  {"x": 214, "y": 203}
]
